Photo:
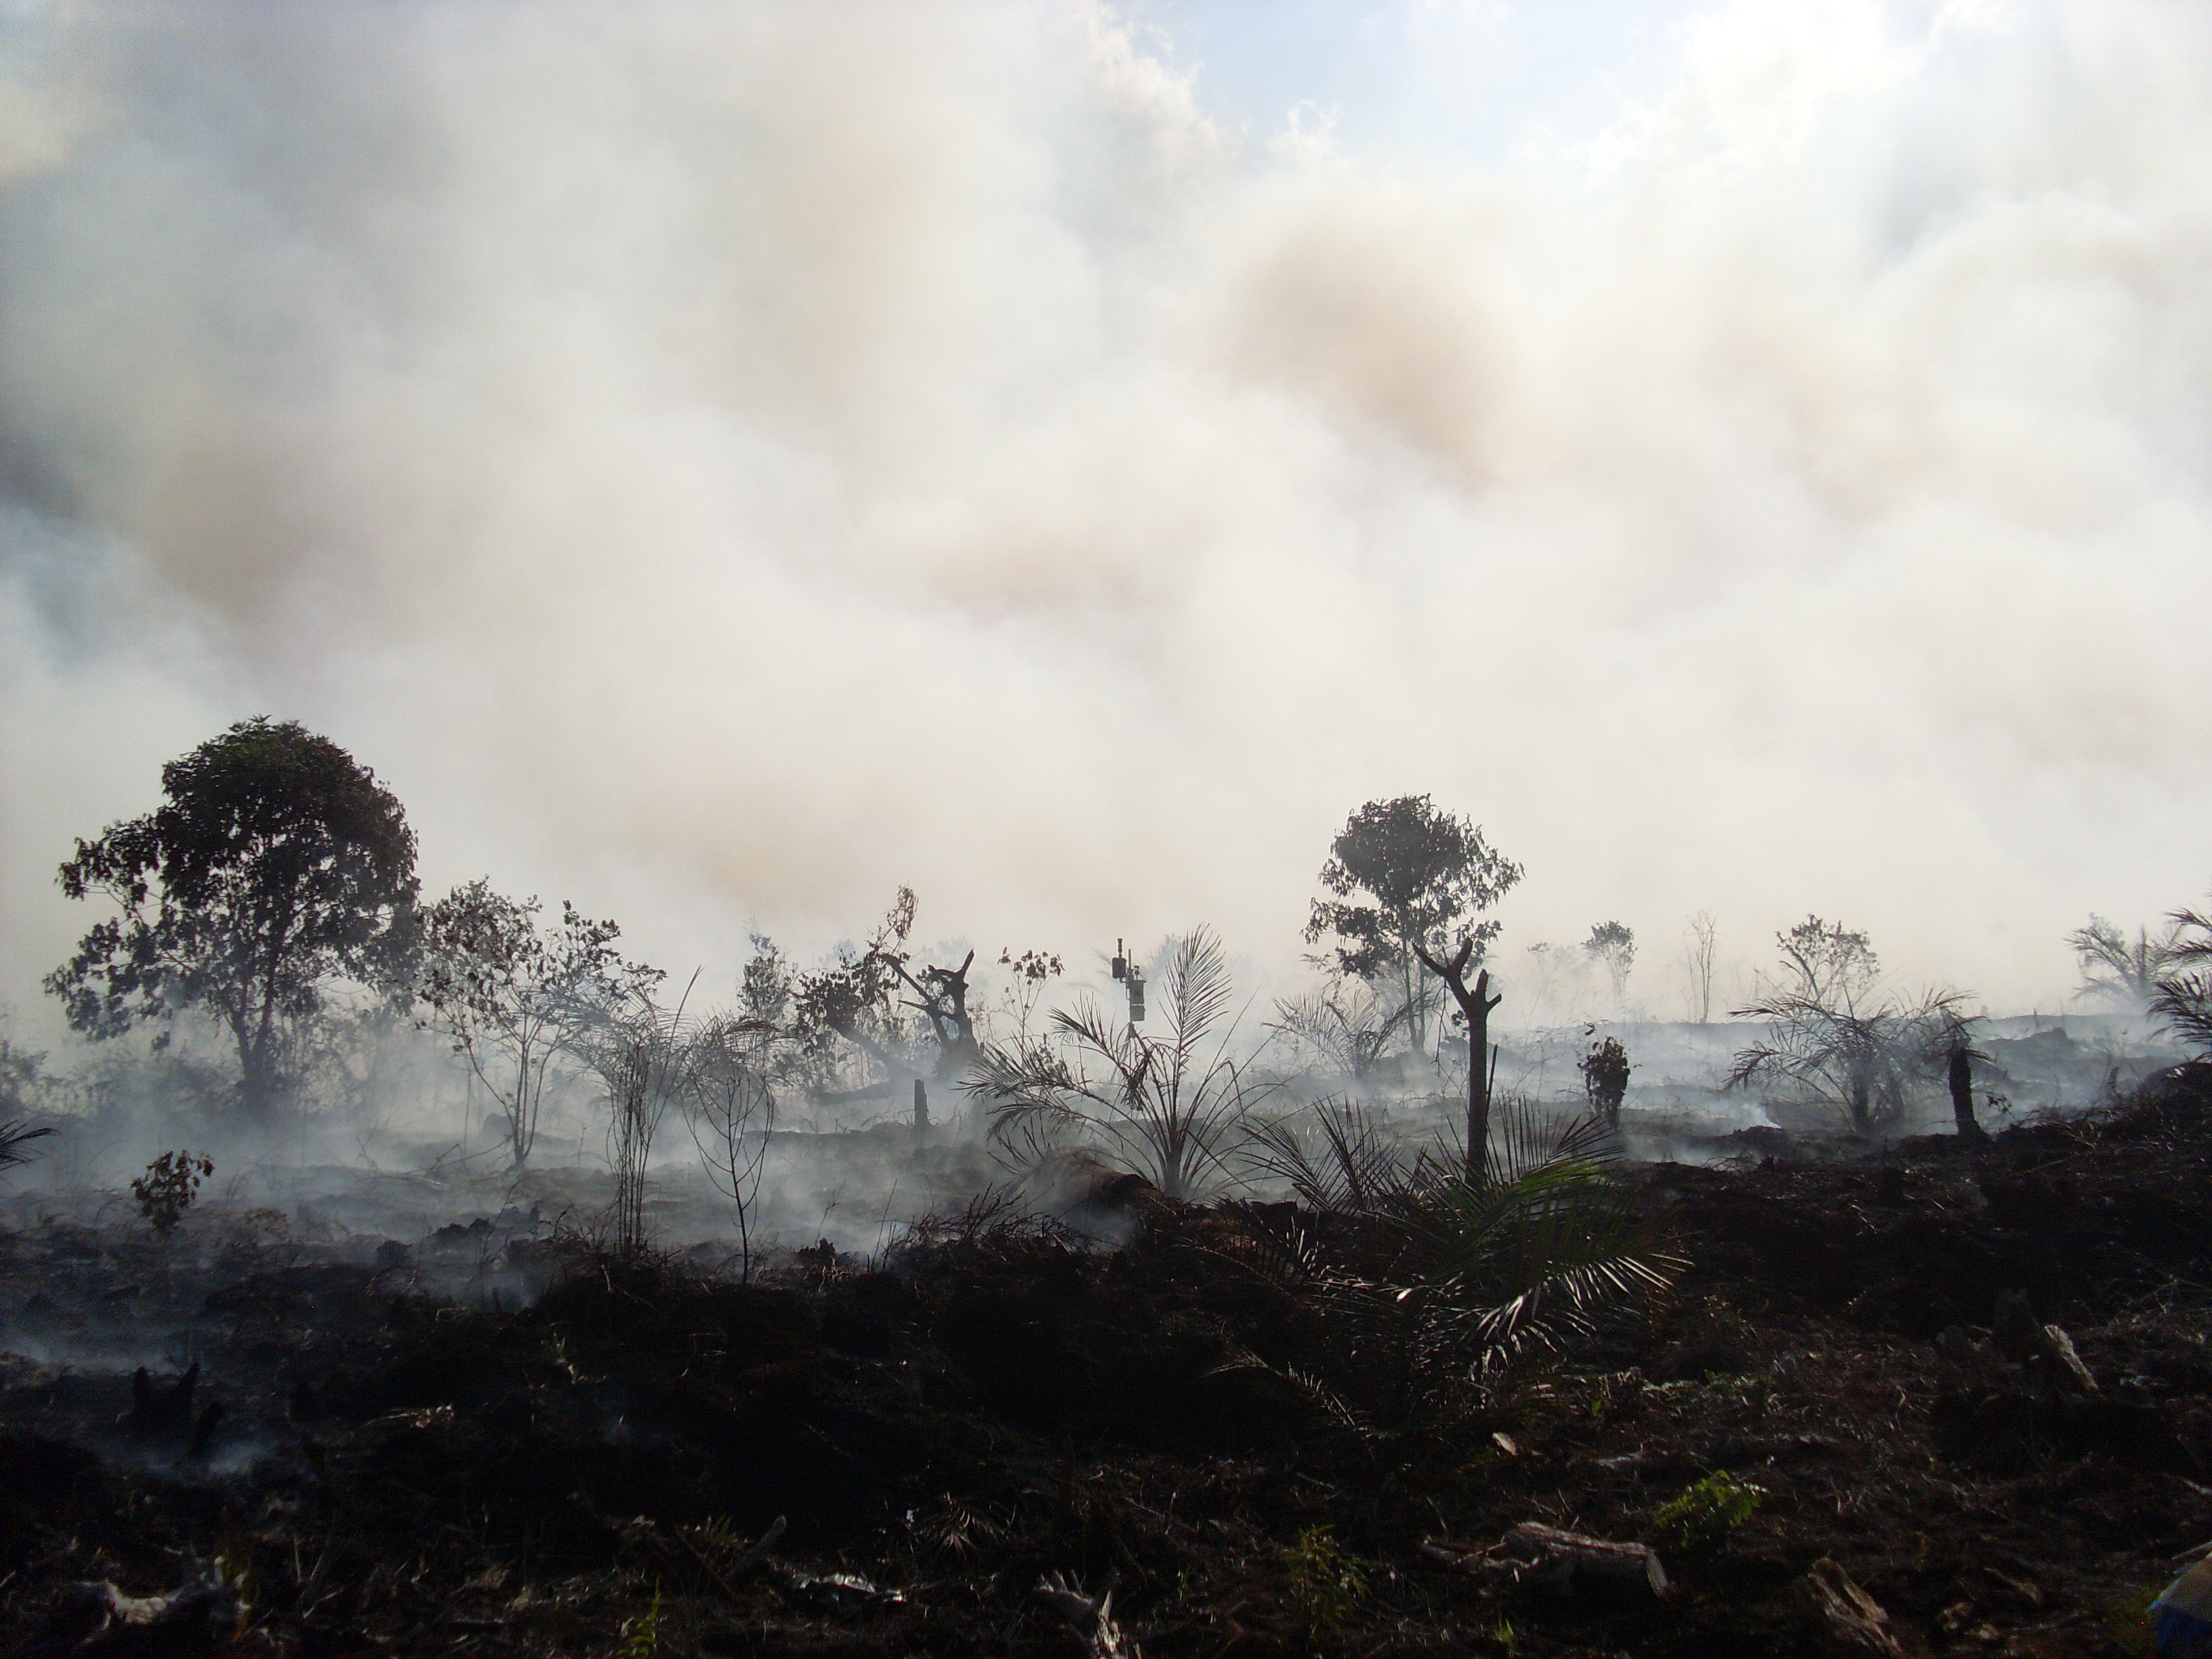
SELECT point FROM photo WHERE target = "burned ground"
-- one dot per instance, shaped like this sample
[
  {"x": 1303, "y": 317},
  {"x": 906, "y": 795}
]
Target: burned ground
[{"x": 393, "y": 1473}]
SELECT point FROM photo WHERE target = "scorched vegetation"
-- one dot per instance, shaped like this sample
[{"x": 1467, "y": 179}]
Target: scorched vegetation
[{"x": 1150, "y": 1331}]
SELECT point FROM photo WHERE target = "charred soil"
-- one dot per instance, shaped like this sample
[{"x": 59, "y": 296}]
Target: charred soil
[{"x": 1837, "y": 1391}]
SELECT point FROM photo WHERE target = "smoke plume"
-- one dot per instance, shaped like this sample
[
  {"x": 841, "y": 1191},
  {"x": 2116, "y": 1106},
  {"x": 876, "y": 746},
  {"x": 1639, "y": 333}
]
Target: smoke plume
[{"x": 718, "y": 463}]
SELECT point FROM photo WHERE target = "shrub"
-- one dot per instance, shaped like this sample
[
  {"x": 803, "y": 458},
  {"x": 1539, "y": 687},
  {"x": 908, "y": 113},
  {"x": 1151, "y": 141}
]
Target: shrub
[
  {"x": 1708, "y": 1511},
  {"x": 170, "y": 1184},
  {"x": 1605, "y": 1078},
  {"x": 1326, "y": 1584}
]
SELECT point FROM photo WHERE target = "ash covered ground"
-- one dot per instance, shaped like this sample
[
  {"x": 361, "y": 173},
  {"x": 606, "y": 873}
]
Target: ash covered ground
[{"x": 493, "y": 1436}]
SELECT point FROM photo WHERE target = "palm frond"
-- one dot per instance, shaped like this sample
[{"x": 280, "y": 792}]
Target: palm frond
[
  {"x": 1329, "y": 1403},
  {"x": 1097, "y": 1080},
  {"x": 2190, "y": 937},
  {"x": 1197, "y": 987},
  {"x": 2184, "y": 1006},
  {"x": 15, "y": 1134},
  {"x": 1456, "y": 1276},
  {"x": 1351, "y": 1170},
  {"x": 1861, "y": 1058}
]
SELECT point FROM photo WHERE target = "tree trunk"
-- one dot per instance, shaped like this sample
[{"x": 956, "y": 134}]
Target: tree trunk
[
  {"x": 1477, "y": 1076},
  {"x": 1961, "y": 1079},
  {"x": 521, "y": 1126},
  {"x": 1414, "y": 1013},
  {"x": 920, "y": 1107},
  {"x": 1475, "y": 1004},
  {"x": 258, "y": 1083},
  {"x": 1861, "y": 1099}
]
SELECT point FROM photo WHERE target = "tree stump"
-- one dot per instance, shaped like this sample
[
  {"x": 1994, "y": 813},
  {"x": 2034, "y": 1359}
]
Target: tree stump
[{"x": 1847, "y": 1623}]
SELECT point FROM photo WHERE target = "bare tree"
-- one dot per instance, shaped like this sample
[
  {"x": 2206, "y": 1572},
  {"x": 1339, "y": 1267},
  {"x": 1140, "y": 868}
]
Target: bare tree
[
  {"x": 511, "y": 997},
  {"x": 1476, "y": 1005},
  {"x": 940, "y": 997},
  {"x": 1166, "y": 1107},
  {"x": 644, "y": 1058},
  {"x": 733, "y": 1115},
  {"x": 1704, "y": 930},
  {"x": 1960, "y": 1056}
]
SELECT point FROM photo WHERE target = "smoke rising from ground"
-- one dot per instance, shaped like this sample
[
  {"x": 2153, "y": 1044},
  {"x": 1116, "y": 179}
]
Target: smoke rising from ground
[{"x": 720, "y": 462}]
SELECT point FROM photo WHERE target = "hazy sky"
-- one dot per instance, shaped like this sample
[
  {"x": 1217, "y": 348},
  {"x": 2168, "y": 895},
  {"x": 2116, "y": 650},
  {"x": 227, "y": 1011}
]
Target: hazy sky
[{"x": 719, "y": 462}]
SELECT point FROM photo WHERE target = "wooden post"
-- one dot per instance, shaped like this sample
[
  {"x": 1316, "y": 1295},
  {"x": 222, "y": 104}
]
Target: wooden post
[{"x": 920, "y": 1107}]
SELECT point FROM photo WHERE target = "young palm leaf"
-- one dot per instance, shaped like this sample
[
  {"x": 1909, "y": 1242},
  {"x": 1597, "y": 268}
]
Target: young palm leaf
[
  {"x": 1436, "y": 1280},
  {"x": 1167, "y": 1107}
]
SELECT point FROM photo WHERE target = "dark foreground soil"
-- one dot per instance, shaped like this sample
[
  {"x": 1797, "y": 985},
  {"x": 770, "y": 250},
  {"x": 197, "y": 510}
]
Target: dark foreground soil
[{"x": 395, "y": 1474}]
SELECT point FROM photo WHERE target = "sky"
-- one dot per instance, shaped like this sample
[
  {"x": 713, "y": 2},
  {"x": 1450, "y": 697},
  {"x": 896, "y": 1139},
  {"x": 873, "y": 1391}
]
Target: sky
[{"x": 720, "y": 462}]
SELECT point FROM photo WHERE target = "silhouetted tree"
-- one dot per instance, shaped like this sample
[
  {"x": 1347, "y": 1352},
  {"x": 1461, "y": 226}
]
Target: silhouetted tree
[
  {"x": 1408, "y": 881},
  {"x": 1959, "y": 1079},
  {"x": 646, "y": 1056},
  {"x": 864, "y": 996},
  {"x": 733, "y": 1091},
  {"x": 1704, "y": 929},
  {"x": 276, "y": 865},
  {"x": 1612, "y": 945},
  {"x": 1828, "y": 962},
  {"x": 855, "y": 999},
  {"x": 941, "y": 998}
]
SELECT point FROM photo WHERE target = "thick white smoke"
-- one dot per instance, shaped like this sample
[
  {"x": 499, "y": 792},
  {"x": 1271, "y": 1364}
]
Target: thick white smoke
[{"x": 722, "y": 462}]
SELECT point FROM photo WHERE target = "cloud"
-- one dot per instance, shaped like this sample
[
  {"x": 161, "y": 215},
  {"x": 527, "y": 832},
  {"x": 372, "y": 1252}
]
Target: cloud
[{"x": 722, "y": 462}]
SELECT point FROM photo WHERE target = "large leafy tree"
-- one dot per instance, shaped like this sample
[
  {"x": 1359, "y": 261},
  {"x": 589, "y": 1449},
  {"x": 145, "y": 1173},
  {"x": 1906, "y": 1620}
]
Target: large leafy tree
[
  {"x": 1406, "y": 877},
  {"x": 275, "y": 867}
]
